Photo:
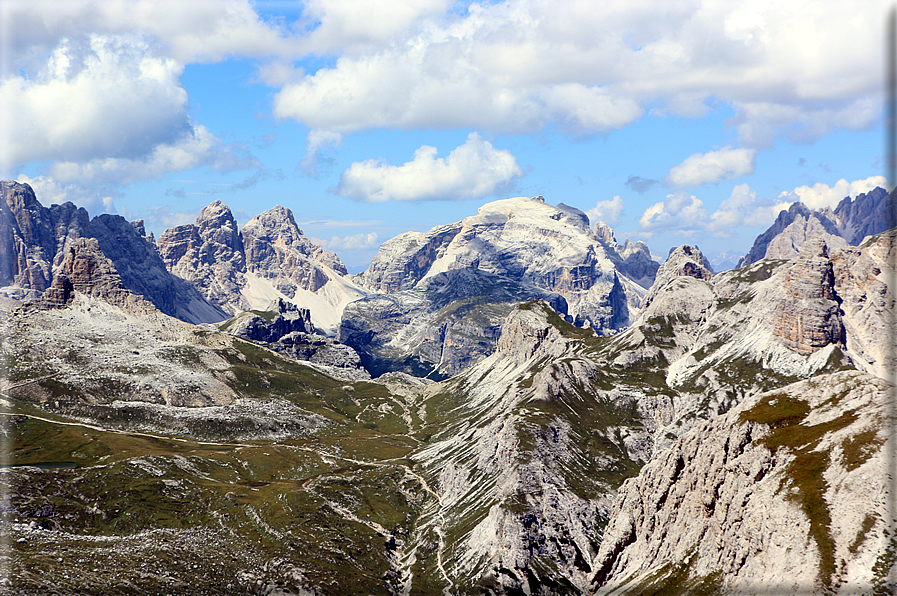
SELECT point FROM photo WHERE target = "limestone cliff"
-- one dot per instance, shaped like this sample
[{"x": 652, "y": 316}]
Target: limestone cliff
[
  {"x": 846, "y": 225},
  {"x": 786, "y": 493},
  {"x": 209, "y": 254},
  {"x": 447, "y": 323},
  {"x": 269, "y": 259},
  {"x": 527, "y": 241},
  {"x": 33, "y": 238}
]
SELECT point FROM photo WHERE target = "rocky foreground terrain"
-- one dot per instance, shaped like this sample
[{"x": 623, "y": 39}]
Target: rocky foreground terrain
[{"x": 735, "y": 437}]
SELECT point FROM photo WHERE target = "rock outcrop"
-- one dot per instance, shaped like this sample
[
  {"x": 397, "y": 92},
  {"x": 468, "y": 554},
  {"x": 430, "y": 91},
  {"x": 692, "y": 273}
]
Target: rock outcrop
[
  {"x": 209, "y": 254},
  {"x": 277, "y": 320},
  {"x": 850, "y": 222},
  {"x": 861, "y": 277},
  {"x": 276, "y": 249},
  {"x": 285, "y": 328},
  {"x": 447, "y": 323},
  {"x": 683, "y": 261},
  {"x": 809, "y": 317},
  {"x": 527, "y": 241},
  {"x": 786, "y": 493},
  {"x": 143, "y": 272},
  {"x": 33, "y": 238},
  {"x": 86, "y": 270},
  {"x": 37, "y": 241},
  {"x": 269, "y": 259},
  {"x": 865, "y": 215}
]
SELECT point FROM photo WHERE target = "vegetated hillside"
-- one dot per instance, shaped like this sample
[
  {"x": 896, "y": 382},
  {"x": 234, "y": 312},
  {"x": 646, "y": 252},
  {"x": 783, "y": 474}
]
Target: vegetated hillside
[{"x": 559, "y": 464}]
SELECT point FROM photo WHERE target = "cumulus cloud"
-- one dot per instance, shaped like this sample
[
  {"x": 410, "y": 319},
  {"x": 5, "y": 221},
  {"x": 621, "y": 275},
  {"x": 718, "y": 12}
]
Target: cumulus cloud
[
  {"x": 680, "y": 212},
  {"x": 103, "y": 97},
  {"x": 354, "y": 24},
  {"x": 685, "y": 214},
  {"x": 822, "y": 195},
  {"x": 51, "y": 192},
  {"x": 198, "y": 148},
  {"x": 712, "y": 167},
  {"x": 607, "y": 211},
  {"x": 743, "y": 208},
  {"x": 107, "y": 111},
  {"x": 352, "y": 242},
  {"x": 199, "y": 30},
  {"x": 471, "y": 171},
  {"x": 798, "y": 70}
]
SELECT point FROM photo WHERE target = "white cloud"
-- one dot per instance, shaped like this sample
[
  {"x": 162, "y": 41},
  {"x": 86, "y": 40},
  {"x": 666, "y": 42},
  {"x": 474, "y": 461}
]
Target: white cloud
[
  {"x": 712, "y": 167},
  {"x": 822, "y": 195},
  {"x": 680, "y": 211},
  {"x": 684, "y": 213},
  {"x": 198, "y": 148},
  {"x": 353, "y": 242},
  {"x": 799, "y": 68},
  {"x": 742, "y": 208},
  {"x": 199, "y": 30},
  {"x": 106, "y": 111},
  {"x": 471, "y": 171},
  {"x": 51, "y": 192},
  {"x": 354, "y": 24},
  {"x": 104, "y": 97},
  {"x": 607, "y": 211}
]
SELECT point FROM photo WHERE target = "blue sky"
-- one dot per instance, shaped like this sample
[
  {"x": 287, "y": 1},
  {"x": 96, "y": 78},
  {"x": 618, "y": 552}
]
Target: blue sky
[{"x": 674, "y": 122}]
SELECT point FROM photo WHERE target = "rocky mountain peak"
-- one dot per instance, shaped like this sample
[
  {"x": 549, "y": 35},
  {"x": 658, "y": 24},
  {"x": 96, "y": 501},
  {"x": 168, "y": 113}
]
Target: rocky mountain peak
[
  {"x": 527, "y": 241},
  {"x": 683, "y": 260},
  {"x": 850, "y": 222},
  {"x": 604, "y": 233},
  {"x": 527, "y": 331},
  {"x": 33, "y": 237},
  {"x": 865, "y": 215},
  {"x": 210, "y": 255},
  {"x": 86, "y": 270},
  {"x": 810, "y": 316},
  {"x": 277, "y": 249}
]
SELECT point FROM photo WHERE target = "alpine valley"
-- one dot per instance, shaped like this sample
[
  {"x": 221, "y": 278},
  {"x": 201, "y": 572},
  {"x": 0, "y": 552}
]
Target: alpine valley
[{"x": 511, "y": 404}]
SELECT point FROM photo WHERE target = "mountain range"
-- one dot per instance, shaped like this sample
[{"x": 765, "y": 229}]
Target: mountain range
[{"x": 511, "y": 404}]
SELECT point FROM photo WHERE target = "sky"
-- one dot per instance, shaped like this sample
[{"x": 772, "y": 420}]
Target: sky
[{"x": 673, "y": 122}]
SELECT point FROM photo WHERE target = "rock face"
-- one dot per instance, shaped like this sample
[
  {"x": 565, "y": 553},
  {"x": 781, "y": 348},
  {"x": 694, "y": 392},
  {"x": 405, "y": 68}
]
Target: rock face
[
  {"x": 279, "y": 319},
  {"x": 729, "y": 508},
  {"x": 866, "y": 215},
  {"x": 209, "y": 254},
  {"x": 33, "y": 238},
  {"x": 86, "y": 270},
  {"x": 683, "y": 261},
  {"x": 850, "y": 222},
  {"x": 809, "y": 318},
  {"x": 861, "y": 277},
  {"x": 277, "y": 250},
  {"x": 513, "y": 514},
  {"x": 37, "y": 239},
  {"x": 288, "y": 329},
  {"x": 269, "y": 259},
  {"x": 525, "y": 240},
  {"x": 143, "y": 271},
  {"x": 336, "y": 359},
  {"x": 447, "y": 323},
  {"x": 443, "y": 293}
]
